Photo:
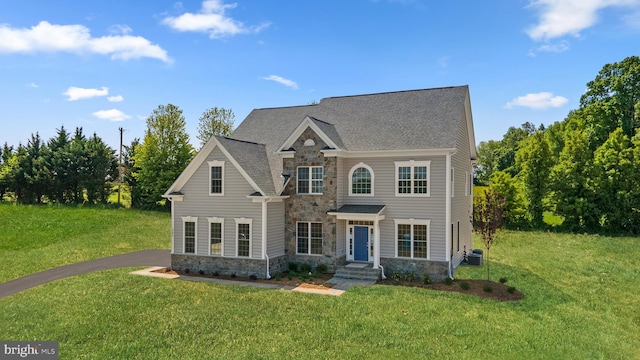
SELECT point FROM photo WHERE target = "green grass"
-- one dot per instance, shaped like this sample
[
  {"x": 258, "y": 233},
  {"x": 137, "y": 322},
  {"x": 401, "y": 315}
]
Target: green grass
[
  {"x": 581, "y": 302},
  {"x": 35, "y": 238}
]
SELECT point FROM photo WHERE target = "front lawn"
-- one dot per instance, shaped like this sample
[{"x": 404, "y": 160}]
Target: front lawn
[
  {"x": 581, "y": 302},
  {"x": 36, "y": 238}
]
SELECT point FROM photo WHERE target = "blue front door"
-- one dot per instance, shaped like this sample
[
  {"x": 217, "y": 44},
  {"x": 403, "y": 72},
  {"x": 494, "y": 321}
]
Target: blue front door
[{"x": 360, "y": 243}]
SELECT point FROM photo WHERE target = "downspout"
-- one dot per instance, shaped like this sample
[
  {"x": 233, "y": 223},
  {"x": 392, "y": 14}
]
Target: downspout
[
  {"x": 264, "y": 234},
  {"x": 173, "y": 226},
  {"x": 448, "y": 234}
]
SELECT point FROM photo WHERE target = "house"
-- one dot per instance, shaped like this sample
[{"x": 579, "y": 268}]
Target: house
[{"x": 383, "y": 180}]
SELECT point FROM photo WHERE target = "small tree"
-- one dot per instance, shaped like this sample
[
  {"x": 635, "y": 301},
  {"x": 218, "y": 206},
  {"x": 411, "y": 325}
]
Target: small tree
[{"x": 488, "y": 218}]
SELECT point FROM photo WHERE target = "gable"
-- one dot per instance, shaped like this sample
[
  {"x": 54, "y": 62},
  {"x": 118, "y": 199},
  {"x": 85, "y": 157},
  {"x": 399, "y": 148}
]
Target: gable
[
  {"x": 249, "y": 159},
  {"x": 325, "y": 131}
]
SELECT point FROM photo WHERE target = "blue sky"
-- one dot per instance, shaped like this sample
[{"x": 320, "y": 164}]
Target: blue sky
[{"x": 101, "y": 65}]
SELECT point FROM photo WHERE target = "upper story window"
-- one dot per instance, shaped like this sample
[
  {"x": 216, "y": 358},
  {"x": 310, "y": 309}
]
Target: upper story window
[
  {"x": 413, "y": 178},
  {"x": 310, "y": 180},
  {"x": 216, "y": 177},
  {"x": 361, "y": 180}
]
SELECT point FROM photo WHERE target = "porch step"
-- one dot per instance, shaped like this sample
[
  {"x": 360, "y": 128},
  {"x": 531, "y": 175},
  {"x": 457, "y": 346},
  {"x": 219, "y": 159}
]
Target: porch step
[{"x": 359, "y": 272}]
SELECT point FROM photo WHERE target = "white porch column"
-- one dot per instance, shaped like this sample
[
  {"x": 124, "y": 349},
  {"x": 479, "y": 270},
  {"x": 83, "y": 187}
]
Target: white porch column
[{"x": 376, "y": 244}]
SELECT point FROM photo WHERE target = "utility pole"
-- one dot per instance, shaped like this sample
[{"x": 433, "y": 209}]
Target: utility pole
[{"x": 120, "y": 167}]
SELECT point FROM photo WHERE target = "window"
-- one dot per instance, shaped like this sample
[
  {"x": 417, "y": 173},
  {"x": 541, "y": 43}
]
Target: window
[
  {"x": 243, "y": 237},
  {"x": 310, "y": 180},
  {"x": 361, "y": 180},
  {"x": 189, "y": 234},
  {"x": 309, "y": 238},
  {"x": 216, "y": 177},
  {"x": 216, "y": 235},
  {"x": 412, "y": 178},
  {"x": 412, "y": 238}
]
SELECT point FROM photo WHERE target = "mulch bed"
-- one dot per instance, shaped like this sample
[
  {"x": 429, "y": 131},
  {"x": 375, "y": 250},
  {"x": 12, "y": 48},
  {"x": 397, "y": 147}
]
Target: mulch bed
[
  {"x": 476, "y": 287},
  {"x": 319, "y": 281}
]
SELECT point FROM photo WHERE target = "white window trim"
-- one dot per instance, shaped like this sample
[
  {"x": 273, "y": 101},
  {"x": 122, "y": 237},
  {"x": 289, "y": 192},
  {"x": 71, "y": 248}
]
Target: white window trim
[
  {"x": 412, "y": 222},
  {"x": 466, "y": 183},
  {"x": 216, "y": 163},
  {"x": 217, "y": 220},
  {"x": 244, "y": 221},
  {"x": 453, "y": 182},
  {"x": 309, "y": 238},
  {"x": 353, "y": 169},
  {"x": 310, "y": 180},
  {"x": 186, "y": 219},
  {"x": 413, "y": 164}
]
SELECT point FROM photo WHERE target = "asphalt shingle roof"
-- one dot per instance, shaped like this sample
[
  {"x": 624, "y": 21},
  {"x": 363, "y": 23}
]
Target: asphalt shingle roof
[
  {"x": 403, "y": 120},
  {"x": 252, "y": 157}
]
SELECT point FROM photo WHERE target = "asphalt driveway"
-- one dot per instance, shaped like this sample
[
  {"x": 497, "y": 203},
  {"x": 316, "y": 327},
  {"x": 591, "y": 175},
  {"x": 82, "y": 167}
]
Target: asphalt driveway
[{"x": 137, "y": 258}]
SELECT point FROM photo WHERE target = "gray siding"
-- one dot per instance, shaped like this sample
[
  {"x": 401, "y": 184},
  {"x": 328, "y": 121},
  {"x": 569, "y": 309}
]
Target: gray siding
[
  {"x": 462, "y": 202},
  {"x": 234, "y": 204},
  {"x": 275, "y": 229},
  {"x": 432, "y": 208}
]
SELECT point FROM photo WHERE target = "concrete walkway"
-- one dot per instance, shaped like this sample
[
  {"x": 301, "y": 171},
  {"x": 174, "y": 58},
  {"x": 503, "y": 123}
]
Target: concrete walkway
[{"x": 137, "y": 258}]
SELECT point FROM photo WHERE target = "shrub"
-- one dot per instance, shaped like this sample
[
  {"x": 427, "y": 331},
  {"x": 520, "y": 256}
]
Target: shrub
[
  {"x": 201, "y": 272},
  {"x": 253, "y": 277},
  {"x": 293, "y": 267},
  {"x": 487, "y": 288},
  {"x": 448, "y": 281},
  {"x": 397, "y": 275},
  {"x": 278, "y": 276},
  {"x": 186, "y": 271},
  {"x": 409, "y": 275},
  {"x": 233, "y": 275},
  {"x": 290, "y": 275},
  {"x": 464, "y": 285},
  {"x": 511, "y": 289},
  {"x": 305, "y": 268},
  {"x": 426, "y": 279},
  {"x": 503, "y": 280},
  {"x": 321, "y": 268},
  {"x": 216, "y": 274}
]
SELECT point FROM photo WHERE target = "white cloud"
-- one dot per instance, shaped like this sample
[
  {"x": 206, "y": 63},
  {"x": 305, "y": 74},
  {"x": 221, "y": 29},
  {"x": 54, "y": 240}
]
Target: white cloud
[
  {"x": 76, "y": 93},
  {"x": 286, "y": 82},
  {"x": 541, "y": 100},
  {"x": 568, "y": 17},
  {"x": 212, "y": 19},
  {"x": 46, "y": 37},
  {"x": 116, "y": 98},
  {"x": 111, "y": 115},
  {"x": 33, "y": 85}
]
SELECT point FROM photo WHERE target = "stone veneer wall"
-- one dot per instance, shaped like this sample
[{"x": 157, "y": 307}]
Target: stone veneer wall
[
  {"x": 311, "y": 208},
  {"x": 228, "y": 266},
  {"x": 437, "y": 270}
]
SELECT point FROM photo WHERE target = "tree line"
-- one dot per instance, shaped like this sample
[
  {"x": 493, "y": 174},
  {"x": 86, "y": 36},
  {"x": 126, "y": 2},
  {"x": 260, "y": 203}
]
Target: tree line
[
  {"x": 73, "y": 169},
  {"x": 585, "y": 169}
]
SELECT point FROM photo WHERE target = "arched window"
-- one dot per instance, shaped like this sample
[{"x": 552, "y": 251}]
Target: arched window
[{"x": 361, "y": 180}]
